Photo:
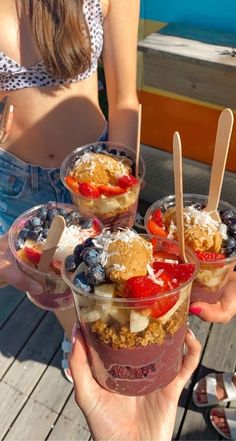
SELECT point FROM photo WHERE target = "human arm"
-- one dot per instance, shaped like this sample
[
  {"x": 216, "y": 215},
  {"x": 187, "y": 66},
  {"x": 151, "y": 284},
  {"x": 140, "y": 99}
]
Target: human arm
[
  {"x": 10, "y": 274},
  {"x": 111, "y": 416},
  {"x": 120, "y": 66},
  {"x": 222, "y": 311}
]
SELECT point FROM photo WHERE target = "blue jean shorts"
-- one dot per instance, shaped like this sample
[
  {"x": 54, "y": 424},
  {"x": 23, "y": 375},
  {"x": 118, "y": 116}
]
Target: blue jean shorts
[{"x": 23, "y": 185}]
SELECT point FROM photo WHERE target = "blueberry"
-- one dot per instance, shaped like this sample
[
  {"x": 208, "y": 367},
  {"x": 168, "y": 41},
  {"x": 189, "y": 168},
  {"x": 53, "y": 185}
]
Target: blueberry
[
  {"x": 36, "y": 222},
  {"x": 82, "y": 283},
  {"x": 77, "y": 253},
  {"x": 19, "y": 243},
  {"x": 42, "y": 213},
  {"x": 72, "y": 218},
  {"x": 96, "y": 274},
  {"x": 91, "y": 256},
  {"x": 113, "y": 152},
  {"x": 99, "y": 149},
  {"x": 52, "y": 212},
  {"x": 122, "y": 153},
  {"x": 24, "y": 233},
  {"x": 230, "y": 243},
  {"x": 70, "y": 263},
  {"x": 88, "y": 242},
  {"x": 32, "y": 235},
  {"x": 226, "y": 214},
  {"x": 198, "y": 206},
  {"x": 86, "y": 223},
  {"x": 62, "y": 211},
  {"x": 45, "y": 233}
]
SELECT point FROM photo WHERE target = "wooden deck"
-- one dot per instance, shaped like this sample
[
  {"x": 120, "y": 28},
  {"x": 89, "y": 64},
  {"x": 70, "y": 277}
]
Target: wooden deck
[{"x": 37, "y": 402}]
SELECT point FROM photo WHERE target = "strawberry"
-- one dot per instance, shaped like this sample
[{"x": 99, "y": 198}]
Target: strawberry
[
  {"x": 157, "y": 217},
  {"x": 206, "y": 255},
  {"x": 163, "y": 305},
  {"x": 33, "y": 254},
  {"x": 72, "y": 183},
  {"x": 178, "y": 272},
  {"x": 89, "y": 190},
  {"x": 141, "y": 287},
  {"x": 127, "y": 181},
  {"x": 155, "y": 229},
  {"x": 96, "y": 226},
  {"x": 111, "y": 190}
]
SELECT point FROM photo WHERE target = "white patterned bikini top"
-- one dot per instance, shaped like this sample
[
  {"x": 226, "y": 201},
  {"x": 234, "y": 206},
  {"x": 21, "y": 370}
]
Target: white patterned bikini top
[{"x": 13, "y": 76}]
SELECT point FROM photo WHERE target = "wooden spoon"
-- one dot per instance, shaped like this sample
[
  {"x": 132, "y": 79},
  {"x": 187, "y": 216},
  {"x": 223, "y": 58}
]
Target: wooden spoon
[
  {"x": 178, "y": 178},
  {"x": 223, "y": 136},
  {"x": 138, "y": 141},
  {"x": 54, "y": 234}
]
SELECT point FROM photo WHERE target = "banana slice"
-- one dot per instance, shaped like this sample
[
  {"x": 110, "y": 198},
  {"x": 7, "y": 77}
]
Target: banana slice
[{"x": 138, "y": 322}]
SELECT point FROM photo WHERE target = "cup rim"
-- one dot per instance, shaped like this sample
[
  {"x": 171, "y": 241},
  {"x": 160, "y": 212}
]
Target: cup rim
[
  {"x": 189, "y": 195},
  {"x": 121, "y": 146},
  {"x": 28, "y": 212},
  {"x": 127, "y": 300}
]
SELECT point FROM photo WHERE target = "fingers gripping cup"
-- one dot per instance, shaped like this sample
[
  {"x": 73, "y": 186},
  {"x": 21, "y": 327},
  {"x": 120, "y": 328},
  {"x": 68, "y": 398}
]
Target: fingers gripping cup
[
  {"x": 213, "y": 242},
  {"x": 133, "y": 308},
  {"x": 27, "y": 237},
  {"x": 102, "y": 180}
]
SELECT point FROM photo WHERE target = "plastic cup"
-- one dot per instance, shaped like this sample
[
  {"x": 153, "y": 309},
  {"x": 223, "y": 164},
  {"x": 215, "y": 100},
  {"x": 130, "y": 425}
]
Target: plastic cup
[
  {"x": 115, "y": 211},
  {"x": 127, "y": 359},
  {"x": 56, "y": 294},
  {"x": 208, "y": 286}
]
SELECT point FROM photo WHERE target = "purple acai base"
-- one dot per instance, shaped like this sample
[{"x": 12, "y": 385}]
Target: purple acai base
[
  {"x": 52, "y": 301},
  {"x": 135, "y": 371}
]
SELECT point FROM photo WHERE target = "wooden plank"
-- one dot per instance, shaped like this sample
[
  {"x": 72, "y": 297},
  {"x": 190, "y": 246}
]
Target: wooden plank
[
  {"x": 219, "y": 355},
  {"x": 16, "y": 332},
  {"x": 201, "y": 331},
  {"x": 53, "y": 389},
  {"x": 32, "y": 361},
  {"x": 11, "y": 401},
  {"x": 66, "y": 429},
  {"x": 191, "y": 50},
  {"x": 33, "y": 423},
  {"x": 209, "y": 83},
  {"x": 10, "y": 298},
  {"x": 73, "y": 412}
]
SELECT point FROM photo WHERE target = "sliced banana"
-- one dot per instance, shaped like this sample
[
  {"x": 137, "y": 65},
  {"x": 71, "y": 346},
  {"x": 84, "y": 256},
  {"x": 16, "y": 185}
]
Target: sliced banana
[{"x": 138, "y": 322}]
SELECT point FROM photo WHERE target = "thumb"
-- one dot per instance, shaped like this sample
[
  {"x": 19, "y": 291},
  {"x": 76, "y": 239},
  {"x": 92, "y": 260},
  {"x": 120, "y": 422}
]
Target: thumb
[
  {"x": 85, "y": 386},
  {"x": 25, "y": 283},
  {"x": 191, "y": 359},
  {"x": 210, "y": 312}
]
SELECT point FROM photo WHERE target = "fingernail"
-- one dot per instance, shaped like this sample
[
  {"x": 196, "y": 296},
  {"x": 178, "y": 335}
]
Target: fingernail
[
  {"x": 192, "y": 333},
  {"x": 74, "y": 332},
  {"x": 195, "y": 310},
  {"x": 11, "y": 108}
]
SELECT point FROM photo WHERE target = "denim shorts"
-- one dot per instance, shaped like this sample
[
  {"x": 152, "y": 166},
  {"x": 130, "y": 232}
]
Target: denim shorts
[{"x": 23, "y": 185}]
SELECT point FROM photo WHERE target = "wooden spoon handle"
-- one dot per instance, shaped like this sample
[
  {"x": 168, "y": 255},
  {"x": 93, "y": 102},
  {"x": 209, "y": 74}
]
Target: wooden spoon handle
[
  {"x": 138, "y": 141},
  {"x": 54, "y": 234},
  {"x": 178, "y": 178},
  {"x": 223, "y": 136}
]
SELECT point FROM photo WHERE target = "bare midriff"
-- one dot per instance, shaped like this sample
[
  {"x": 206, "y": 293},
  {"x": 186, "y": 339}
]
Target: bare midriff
[{"x": 50, "y": 122}]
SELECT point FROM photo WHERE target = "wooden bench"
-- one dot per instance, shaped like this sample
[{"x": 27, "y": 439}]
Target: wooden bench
[{"x": 188, "y": 64}]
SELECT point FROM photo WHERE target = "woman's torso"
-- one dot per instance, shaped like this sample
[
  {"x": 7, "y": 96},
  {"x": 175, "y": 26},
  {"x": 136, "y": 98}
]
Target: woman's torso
[{"x": 48, "y": 121}]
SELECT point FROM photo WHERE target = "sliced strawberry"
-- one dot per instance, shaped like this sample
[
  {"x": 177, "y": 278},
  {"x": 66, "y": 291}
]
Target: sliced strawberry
[
  {"x": 206, "y": 255},
  {"x": 163, "y": 305},
  {"x": 89, "y": 190},
  {"x": 111, "y": 190},
  {"x": 155, "y": 229},
  {"x": 56, "y": 266},
  {"x": 179, "y": 272},
  {"x": 141, "y": 287},
  {"x": 72, "y": 183},
  {"x": 127, "y": 181},
  {"x": 96, "y": 226},
  {"x": 33, "y": 254},
  {"x": 157, "y": 217}
]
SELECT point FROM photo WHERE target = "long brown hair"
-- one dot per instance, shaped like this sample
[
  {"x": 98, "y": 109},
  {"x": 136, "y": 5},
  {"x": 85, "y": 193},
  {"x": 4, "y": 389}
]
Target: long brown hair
[{"x": 62, "y": 35}]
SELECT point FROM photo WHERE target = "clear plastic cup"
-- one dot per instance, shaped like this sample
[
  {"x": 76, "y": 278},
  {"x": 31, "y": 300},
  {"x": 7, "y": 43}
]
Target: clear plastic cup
[
  {"x": 130, "y": 352},
  {"x": 115, "y": 211},
  {"x": 208, "y": 286},
  {"x": 56, "y": 294}
]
